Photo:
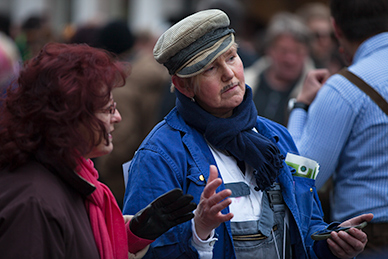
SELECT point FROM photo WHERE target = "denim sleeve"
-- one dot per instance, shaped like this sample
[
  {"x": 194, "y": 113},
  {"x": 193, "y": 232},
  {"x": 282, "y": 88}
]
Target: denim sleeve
[{"x": 151, "y": 174}]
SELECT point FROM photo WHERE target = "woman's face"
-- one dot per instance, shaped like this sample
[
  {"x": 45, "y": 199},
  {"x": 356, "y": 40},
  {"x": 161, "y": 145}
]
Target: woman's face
[
  {"x": 109, "y": 115},
  {"x": 221, "y": 87}
]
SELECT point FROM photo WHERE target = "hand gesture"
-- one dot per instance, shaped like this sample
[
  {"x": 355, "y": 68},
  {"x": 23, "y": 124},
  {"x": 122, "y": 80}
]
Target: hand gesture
[
  {"x": 349, "y": 244},
  {"x": 165, "y": 212},
  {"x": 208, "y": 215},
  {"x": 313, "y": 82}
]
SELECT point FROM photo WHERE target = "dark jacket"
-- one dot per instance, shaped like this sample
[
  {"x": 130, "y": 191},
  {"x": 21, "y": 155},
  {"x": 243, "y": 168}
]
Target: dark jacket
[{"x": 43, "y": 215}]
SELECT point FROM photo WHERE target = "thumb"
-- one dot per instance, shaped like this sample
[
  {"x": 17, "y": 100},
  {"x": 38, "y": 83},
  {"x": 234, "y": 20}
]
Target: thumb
[
  {"x": 357, "y": 220},
  {"x": 366, "y": 217}
]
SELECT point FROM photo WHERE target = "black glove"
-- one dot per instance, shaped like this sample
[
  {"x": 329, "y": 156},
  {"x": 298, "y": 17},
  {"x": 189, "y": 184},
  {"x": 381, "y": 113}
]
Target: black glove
[{"x": 165, "y": 212}]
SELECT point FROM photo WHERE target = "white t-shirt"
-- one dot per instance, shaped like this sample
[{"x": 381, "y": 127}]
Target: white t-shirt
[{"x": 244, "y": 208}]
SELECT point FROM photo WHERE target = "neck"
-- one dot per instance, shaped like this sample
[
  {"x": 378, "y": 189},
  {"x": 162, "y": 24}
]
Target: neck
[
  {"x": 277, "y": 83},
  {"x": 348, "y": 50},
  {"x": 347, "y": 47}
]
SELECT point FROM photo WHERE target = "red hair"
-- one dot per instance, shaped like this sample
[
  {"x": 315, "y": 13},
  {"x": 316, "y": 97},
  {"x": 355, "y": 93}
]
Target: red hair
[{"x": 58, "y": 90}]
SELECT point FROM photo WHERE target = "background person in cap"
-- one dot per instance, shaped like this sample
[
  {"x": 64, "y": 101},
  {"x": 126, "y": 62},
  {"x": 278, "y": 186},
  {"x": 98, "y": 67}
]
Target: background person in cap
[{"x": 256, "y": 203}]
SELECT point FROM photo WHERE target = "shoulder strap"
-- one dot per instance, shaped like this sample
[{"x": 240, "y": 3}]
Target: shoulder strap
[{"x": 372, "y": 93}]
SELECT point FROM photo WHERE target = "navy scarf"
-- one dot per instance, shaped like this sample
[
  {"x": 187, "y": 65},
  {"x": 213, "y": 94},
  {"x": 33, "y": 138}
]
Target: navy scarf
[{"x": 235, "y": 135}]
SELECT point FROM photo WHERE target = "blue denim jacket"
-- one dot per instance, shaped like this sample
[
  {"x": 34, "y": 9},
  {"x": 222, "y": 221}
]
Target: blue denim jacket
[{"x": 175, "y": 155}]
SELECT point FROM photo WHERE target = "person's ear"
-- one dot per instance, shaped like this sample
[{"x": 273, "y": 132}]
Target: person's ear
[
  {"x": 179, "y": 84},
  {"x": 337, "y": 30}
]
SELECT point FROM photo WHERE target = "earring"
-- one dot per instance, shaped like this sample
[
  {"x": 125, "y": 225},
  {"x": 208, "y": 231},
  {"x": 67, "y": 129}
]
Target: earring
[{"x": 192, "y": 99}]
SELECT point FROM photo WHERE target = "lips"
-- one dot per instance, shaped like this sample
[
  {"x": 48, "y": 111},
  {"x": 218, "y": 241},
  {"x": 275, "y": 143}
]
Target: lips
[{"x": 229, "y": 86}]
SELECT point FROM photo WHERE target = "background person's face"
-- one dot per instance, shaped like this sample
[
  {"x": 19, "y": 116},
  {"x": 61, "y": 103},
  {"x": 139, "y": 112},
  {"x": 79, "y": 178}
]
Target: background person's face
[
  {"x": 323, "y": 43},
  {"x": 288, "y": 57},
  {"x": 221, "y": 87}
]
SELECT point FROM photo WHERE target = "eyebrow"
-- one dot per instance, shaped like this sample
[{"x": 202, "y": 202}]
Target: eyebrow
[
  {"x": 227, "y": 53},
  {"x": 230, "y": 51},
  {"x": 110, "y": 104}
]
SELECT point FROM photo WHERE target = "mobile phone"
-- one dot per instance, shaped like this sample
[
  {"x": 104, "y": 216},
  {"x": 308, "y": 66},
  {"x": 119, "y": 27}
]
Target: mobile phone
[{"x": 325, "y": 233}]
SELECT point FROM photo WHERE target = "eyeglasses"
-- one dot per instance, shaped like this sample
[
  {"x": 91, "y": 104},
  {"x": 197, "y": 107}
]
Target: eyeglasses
[
  {"x": 323, "y": 35},
  {"x": 111, "y": 109}
]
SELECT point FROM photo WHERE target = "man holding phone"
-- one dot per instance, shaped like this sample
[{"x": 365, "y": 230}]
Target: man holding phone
[{"x": 343, "y": 129}]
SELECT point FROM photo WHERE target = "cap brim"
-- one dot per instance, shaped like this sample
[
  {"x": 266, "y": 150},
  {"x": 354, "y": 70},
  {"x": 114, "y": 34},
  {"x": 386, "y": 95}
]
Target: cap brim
[{"x": 199, "y": 62}]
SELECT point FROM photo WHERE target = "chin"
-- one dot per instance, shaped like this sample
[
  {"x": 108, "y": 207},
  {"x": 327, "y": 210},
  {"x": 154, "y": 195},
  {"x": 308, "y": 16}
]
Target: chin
[
  {"x": 240, "y": 99},
  {"x": 108, "y": 150},
  {"x": 100, "y": 151}
]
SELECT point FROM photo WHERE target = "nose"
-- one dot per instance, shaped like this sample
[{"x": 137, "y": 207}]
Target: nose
[
  {"x": 227, "y": 72},
  {"x": 116, "y": 117}
]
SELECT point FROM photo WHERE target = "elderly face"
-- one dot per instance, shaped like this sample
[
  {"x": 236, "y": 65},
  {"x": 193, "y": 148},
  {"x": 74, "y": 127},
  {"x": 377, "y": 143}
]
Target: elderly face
[
  {"x": 109, "y": 115},
  {"x": 221, "y": 87},
  {"x": 288, "y": 57}
]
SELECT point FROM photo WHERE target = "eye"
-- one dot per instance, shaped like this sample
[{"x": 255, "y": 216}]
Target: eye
[
  {"x": 232, "y": 57},
  {"x": 209, "y": 68},
  {"x": 112, "y": 108}
]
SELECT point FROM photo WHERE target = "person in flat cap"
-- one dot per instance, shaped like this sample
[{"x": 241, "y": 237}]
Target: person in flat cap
[{"x": 241, "y": 169}]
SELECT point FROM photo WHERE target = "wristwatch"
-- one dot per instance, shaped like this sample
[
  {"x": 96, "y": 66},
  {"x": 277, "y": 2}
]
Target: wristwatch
[{"x": 292, "y": 104}]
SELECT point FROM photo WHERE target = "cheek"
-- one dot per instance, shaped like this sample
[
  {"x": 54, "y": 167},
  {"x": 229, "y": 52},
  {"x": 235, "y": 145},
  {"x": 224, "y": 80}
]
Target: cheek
[
  {"x": 105, "y": 118},
  {"x": 239, "y": 73},
  {"x": 207, "y": 88},
  {"x": 209, "y": 95}
]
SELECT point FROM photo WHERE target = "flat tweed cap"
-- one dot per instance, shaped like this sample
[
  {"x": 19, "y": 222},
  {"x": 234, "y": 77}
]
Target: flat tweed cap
[{"x": 191, "y": 44}]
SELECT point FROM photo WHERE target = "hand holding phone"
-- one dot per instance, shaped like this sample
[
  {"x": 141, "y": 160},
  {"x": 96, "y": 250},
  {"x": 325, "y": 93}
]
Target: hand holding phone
[{"x": 325, "y": 233}]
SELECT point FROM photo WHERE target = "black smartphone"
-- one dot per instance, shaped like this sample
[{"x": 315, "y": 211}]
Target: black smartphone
[{"x": 324, "y": 234}]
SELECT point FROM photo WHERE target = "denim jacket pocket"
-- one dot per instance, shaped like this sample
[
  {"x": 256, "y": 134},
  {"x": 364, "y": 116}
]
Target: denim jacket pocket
[
  {"x": 195, "y": 183},
  {"x": 195, "y": 176},
  {"x": 304, "y": 192}
]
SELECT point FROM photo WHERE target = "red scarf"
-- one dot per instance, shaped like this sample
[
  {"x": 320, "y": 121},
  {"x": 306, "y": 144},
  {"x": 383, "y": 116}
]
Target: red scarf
[{"x": 105, "y": 216}]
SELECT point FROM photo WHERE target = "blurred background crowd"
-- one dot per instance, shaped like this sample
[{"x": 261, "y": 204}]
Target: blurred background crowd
[{"x": 279, "y": 41}]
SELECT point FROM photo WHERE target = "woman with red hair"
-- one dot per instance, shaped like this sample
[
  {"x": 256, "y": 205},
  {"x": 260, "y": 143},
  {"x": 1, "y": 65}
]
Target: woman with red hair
[{"x": 52, "y": 205}]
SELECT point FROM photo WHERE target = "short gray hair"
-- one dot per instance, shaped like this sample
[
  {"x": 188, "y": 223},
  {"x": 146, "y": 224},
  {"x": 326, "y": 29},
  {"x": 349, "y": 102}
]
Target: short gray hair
[{"x": 285, "y": 23}]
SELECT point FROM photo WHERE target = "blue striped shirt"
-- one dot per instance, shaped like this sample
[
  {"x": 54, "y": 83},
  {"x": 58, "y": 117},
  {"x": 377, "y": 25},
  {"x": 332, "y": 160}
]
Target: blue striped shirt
[{"x": 347, "y": 134}]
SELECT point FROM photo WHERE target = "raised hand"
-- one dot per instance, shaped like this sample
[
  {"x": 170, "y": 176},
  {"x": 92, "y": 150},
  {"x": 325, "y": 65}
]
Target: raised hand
[
  {"x": 313, "y": 82},
  {"x": 208, "y": 214}
]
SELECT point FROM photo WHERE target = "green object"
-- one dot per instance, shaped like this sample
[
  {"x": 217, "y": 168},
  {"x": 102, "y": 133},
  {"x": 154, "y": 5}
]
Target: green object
[
  {"x": 303, "y": 171},
  {"x": 303, "y": 166}
]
